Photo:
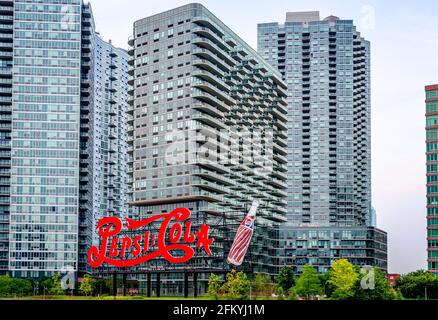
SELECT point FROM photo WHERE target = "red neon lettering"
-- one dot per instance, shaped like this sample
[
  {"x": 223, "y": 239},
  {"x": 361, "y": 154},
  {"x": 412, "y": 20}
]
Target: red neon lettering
[{"x": 167, "y": 241}]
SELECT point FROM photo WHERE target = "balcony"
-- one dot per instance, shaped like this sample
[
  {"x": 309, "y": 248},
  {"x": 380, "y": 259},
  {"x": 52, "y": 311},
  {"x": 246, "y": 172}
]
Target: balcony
[
  {"x": 7, "y": 90},
  {"x": 211, "y": 164},
  {"x": 278, "y": 192},
  {"x": 278, "y": 115},
  {"x": 205, "y": 118},
  {"x": 214, "y": 91},
  {"x": 208, "y": 55},
  {"x": 280, "y": 141},
  {"x": 197, "y": 171},
  {"x": 277, "y": 183},
  {"x": 6, "y": 71},
  {"x": 206, "y": 195},
  {"x": 211, "y": 35},
  {"x": 6, "y": 18},
  {"x": 279, "y": 149},
  {"x": 212, "y": 78},
  {"x": 209, "y": 98},
  {"x": 6, "y": 27},
  {"x": 204, "y": 21},
  {"x": 131, "y": 41}
]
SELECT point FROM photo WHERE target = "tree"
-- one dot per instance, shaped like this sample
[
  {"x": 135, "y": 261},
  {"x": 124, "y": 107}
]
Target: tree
[
  {"x": 87, "y": 285},
  {"x": 292, "y": 294},
  {"x": 257, "y": 284},
  {"x": 15, "y": 287},
  {"x": 237, "y": 286},
  {"x": 280, "y": 293},
  {"x": 418, "y": 285},
  {"x": 56, "y": 288},
  {"x": 214, "y": 286},
  {"x": 308, "y": 284},
  {"x": 343, "y": 277},
  {"x": 268, "y": 286},
  {"x": 286, "y": 278},
  {"x": 21, "y": 287},
  {"x": 377, "y": 288},
  {"x": 328, "y": 288},
  {"x": 5, "y": 286},
  {"x": 46, "y": 285}
]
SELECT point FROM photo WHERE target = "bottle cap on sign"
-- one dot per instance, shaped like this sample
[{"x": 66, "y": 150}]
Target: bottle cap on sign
[{"x": 253, "y": 210}]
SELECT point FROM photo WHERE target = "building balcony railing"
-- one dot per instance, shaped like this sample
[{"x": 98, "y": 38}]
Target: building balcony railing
[
  {"x": 278, "y": 115},
  {"x": 209, "y": 185},
  {"x": 211, "y": 35},
  {"x": 209, "y": 195},
  {"x": 205, "y": 21},
  {"x": 212, "y": 175},
  {"x": 209, "y": 98},
  {"x": 279, "y": 148},
  {"x": 208, "y": 65},
  {"x": 6, "y": 71},
  {"x": 277, "y": 183},
  {"x": 208, "y": 55},
  {"x": 211, "y": 164},
  {"x": 212, "y": 78},
  {"x": 212, "y": 121}
]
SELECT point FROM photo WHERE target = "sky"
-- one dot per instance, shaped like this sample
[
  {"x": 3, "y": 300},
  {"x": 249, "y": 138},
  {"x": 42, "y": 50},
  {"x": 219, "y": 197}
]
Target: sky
[{"x": 404, "y": 59}]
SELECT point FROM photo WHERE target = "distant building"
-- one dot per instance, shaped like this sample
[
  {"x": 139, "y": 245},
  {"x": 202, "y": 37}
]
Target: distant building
[
  {"x": 392, "y": 279},
  {"x": 432, "y": 176}
]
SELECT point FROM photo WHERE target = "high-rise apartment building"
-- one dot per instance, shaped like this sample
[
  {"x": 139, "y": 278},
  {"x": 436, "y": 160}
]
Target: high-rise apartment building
[
  {"x": 6, "y": 58},
  {"x": 326, "y": 66},
  {"x": 50, "y": 107},
  {"x": 104, "y": 142},
  {"x": 207, "y": 132},
  {"x": 432, "y": 176}
]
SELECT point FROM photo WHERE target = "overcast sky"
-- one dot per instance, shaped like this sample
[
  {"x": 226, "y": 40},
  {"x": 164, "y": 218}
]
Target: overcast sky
[{"x": 404, "y": 59}]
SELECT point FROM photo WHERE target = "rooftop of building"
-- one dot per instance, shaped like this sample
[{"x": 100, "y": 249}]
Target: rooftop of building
[
  {"x": 201, "y": 10},
  {"x": 432, "y": 87},
  {"x": 305, "y": 17}
]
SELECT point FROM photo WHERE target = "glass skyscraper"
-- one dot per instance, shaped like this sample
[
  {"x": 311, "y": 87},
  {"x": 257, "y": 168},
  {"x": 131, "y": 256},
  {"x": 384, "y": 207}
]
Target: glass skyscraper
[
  {"x": 326, "y": 65},
  {"x": 44, "y": 182},
  {"x": 50, "y": 98}
]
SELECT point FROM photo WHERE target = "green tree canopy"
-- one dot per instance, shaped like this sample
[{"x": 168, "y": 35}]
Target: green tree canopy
[
  {"x": 417, "y": 284},
  {"x": 373, "y": 285},
  {"x": 308, "y": 285},
  {"x": 343, "y": 277},
  {"x": 286, "y": 278},
  {"x": 5, "y": 286},
  {"x": 56, "y": 288},
  {"x": 214, "y": 285},
  {"x": 87, "y": 285},
  {"x": 15, "y": 287},
  {"x": 258, "y": 284},
  {"x": 237, "y": 286}
]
